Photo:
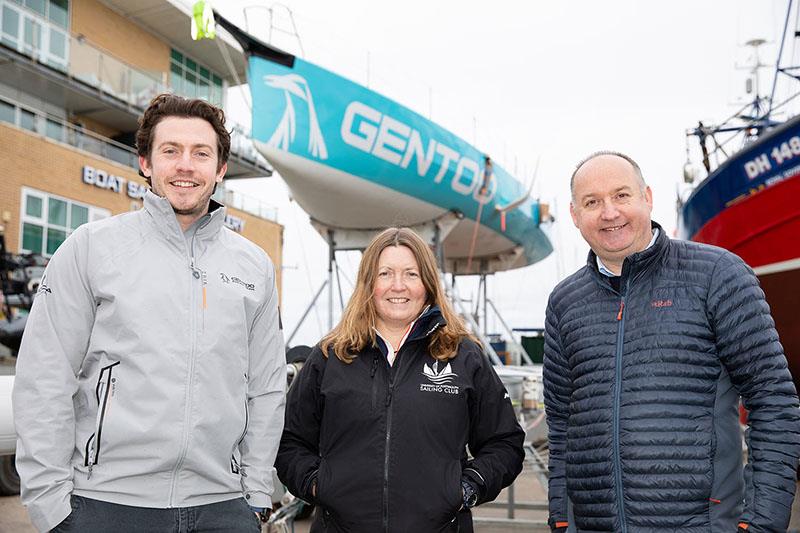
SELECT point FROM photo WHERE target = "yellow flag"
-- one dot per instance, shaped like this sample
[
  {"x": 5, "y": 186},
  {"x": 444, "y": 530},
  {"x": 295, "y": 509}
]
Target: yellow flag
[{"x": 203, "y": 26}]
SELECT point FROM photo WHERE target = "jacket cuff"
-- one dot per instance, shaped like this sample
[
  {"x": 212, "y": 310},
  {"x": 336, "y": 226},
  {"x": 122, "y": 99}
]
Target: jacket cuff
[
  {"x": 309, "y": 482},
  {"x": 257, "y": 499},
  {"x": 46, "y": 515},
  {"x": 558, "y": 525},
  {"x": 473, "y": 477}
]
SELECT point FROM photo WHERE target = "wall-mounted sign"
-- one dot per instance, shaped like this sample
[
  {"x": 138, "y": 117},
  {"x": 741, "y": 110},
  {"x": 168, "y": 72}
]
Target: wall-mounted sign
[{"x": 104, "y": 180}]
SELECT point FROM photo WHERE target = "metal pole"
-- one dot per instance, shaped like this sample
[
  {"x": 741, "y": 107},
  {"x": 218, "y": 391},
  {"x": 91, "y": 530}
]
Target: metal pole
[
  {"x": 777, "y": 63},
  {"x": 339, "y": 286},
  {"x": 331, "y": 260},
  {"x": 485, "y": 313},
  {"x": 305, "y": 313},
  {"x": 510, "y": 333},
  {"x": 438, "y": 249},
  {"x": 466, "y": 313},
  {"x": 511, "y": 501},
  {"x": 476, "y": 312}
]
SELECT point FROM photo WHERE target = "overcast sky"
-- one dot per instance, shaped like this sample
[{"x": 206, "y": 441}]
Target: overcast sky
[{"x": 525, "y": 80}]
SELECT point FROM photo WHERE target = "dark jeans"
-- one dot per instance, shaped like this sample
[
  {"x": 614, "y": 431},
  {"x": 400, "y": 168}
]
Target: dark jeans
[{"x": 95, "y": 516}]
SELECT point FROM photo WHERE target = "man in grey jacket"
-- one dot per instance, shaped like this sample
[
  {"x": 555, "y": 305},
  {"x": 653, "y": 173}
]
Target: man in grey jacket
[
  {"x": 150, "y": 385},
  {"x": 648, "y": 348}
]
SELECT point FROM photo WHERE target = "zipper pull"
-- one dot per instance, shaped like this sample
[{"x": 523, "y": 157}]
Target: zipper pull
[
  {"x": 389, "y": 397},
  {"x": 91, "y": 464},
  {"x": 621, "y": 307},
  {"x": 374, "y": 366}
]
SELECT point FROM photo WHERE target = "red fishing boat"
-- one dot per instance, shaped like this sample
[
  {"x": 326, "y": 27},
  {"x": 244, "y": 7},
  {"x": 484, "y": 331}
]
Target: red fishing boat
[{"x": 749, "y": 202}]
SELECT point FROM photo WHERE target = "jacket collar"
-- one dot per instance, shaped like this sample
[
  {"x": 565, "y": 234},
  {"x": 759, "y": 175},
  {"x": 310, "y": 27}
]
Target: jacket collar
[
  {"x": 429, "y": 321},
  {"x": 636, "y": 263},
  {"x": 163, "y": 218}
]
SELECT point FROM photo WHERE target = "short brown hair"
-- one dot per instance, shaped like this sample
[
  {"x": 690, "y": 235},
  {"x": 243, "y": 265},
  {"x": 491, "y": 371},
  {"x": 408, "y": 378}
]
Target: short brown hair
[
  {"x": 171, "y": 105},
  {"x": 355, "y": 330}
]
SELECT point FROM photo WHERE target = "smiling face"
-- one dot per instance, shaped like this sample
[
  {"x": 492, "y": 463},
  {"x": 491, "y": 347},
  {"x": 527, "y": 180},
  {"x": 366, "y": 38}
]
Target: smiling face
[
  {"x": 398, "y": 292},
  {"x": 611, "y": 207},
  {"x": 182, "y": 166}
]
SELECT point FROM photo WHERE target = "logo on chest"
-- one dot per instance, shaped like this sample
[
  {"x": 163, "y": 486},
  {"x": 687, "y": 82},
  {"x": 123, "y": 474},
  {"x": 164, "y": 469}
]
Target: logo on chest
[
  {"x": 440, "y": 381},
  {"x": 233, "y": 279},
  {"x": 658, "y": 304}
]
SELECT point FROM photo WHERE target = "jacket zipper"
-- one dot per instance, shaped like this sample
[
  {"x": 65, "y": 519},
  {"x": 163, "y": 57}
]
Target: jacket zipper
[
  {"x": 196, "y": 274},
  {"x": 387, "y": 442},
  {"x": 102, "y": 391},
  {"x": 393, "y": 372},
  {"x": 200, "y": 274},
  {"x": 617, "y": 395},
  {"x": 374, "y": 383},
  {"x": 235, "y": 467}
]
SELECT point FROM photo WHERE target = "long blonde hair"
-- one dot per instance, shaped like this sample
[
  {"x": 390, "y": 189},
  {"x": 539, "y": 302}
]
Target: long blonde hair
[{"x": 355, "y": 330}]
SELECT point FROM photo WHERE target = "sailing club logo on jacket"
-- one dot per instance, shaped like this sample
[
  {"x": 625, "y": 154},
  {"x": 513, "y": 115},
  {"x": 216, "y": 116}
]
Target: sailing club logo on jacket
[
  {"x": 233, "y": 279},
  {"x": 439, "y": 380}
]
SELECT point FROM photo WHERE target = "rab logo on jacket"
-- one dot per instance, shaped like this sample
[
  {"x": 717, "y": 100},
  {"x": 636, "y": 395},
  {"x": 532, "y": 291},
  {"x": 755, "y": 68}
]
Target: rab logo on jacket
[{"x": 440, "y": 380}]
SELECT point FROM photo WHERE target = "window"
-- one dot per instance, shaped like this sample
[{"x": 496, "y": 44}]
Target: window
[
  {"x": 37, "y": 5},
  {"x": 10, "y": 25},
  {"x": 188, "y": 78},
  {"x": 54, "y": 130},
  {"x": 27, "y": 120},
  {"x": 37, "y": 28},
  {"x": 58, "y": 12},
  {"x": 8, "y": 112},
  {"x": 58, "y": 46},
  {"x": 47, "y": 220},
  {"x": 33, "y": 206}
]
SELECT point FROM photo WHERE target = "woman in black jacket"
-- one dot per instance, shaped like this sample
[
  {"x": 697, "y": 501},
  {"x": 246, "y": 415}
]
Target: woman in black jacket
[{"x": 379, "y": 420}]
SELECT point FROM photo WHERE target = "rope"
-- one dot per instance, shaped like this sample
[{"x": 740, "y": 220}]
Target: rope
[
  {"x": 474, "y": 237},
  {"x": 229, "y": 63}
]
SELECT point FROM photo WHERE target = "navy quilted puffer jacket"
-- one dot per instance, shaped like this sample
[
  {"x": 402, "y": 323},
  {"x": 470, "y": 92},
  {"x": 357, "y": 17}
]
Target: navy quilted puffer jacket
[{"x": 641, "y": 392}]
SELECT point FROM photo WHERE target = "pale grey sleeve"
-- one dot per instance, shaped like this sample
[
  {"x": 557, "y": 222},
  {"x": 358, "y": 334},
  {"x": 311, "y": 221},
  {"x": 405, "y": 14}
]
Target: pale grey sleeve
[
  {"x": 53, "y": 347},
  {"x": 266, "y": 397}
]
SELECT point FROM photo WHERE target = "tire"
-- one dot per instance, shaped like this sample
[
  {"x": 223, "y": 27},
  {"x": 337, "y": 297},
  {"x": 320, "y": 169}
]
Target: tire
[
  {"x": 298, "y": 354},
  {"x": 9, "y": 479}
]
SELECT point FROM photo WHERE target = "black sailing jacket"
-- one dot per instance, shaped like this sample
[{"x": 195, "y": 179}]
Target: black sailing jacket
[{"x": 386, "y": 445}]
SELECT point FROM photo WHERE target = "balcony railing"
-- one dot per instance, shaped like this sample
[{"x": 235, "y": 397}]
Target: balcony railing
[
  {"x": 50, "y": 44},
  {"x": 248, "y": 204},
  {"x": 62, "y": 131},
  {"x": 59, "y": 130},
  {"x": 112, "y": 76}
]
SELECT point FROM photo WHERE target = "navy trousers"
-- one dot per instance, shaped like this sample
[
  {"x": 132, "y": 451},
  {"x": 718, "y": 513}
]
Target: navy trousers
[{"x": 95, "y": 516}]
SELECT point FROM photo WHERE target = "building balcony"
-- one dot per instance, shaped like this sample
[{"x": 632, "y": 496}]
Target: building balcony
[{"x": 42, "y": 59}]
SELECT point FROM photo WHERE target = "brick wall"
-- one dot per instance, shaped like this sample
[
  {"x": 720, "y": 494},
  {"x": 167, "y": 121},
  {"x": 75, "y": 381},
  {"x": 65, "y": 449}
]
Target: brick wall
[{"x": 123, "y": 38}]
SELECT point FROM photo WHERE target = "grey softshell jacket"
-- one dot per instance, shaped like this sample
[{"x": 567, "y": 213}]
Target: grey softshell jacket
[{"x": 151, "y": 371}]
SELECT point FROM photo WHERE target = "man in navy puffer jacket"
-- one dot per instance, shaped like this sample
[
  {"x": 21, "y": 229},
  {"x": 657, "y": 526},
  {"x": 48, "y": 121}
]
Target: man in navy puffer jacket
[{"x": 647, "y": 350}]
